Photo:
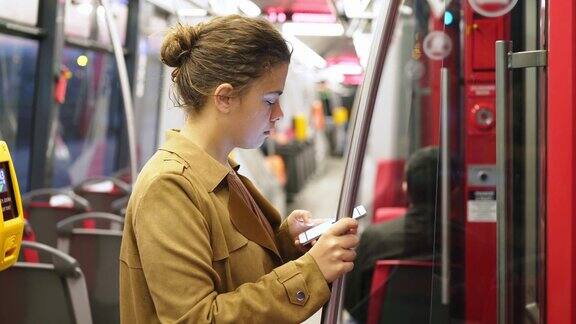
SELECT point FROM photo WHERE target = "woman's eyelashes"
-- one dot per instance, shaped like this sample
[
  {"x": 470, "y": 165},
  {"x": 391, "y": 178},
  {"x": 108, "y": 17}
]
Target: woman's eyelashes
[{"x": 271, "y": 100}]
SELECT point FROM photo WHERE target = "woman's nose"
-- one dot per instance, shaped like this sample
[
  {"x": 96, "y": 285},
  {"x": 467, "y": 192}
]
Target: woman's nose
[{"x": 277, "y": 113}]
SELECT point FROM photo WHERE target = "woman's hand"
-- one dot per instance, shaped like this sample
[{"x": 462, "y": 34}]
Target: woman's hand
[
  {"x": 334, "y": 252},
  {"x": 300, "y": 221}
]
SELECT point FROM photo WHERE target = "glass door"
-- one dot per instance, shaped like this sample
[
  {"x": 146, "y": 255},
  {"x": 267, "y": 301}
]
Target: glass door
[{"x": 448, "y": 155}]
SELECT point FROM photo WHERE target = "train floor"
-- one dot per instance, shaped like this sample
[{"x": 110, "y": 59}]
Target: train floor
[{"x": 320, "y": 196}]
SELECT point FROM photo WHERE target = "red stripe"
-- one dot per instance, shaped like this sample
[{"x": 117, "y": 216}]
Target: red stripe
[{"x": 561, "y": 180}]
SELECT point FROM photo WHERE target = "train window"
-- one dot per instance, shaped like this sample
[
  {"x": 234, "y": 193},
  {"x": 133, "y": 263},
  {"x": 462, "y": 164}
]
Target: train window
[
  {"x": 86, "y": 19},
  {"x": 148, "y": 88},
  {"x": 26, "y": 12},
  {"x": 90, "y": 120},
  {"x": 17, "y": 79},
  {"x": 457, "y": 229}
]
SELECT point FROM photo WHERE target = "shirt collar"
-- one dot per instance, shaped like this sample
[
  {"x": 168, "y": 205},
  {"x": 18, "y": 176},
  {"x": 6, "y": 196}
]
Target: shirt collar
[{"x": 210, "y": 171}]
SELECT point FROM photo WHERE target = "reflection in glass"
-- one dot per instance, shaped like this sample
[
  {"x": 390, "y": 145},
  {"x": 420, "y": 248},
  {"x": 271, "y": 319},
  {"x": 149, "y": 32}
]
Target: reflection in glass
[
  {"x": 90, "y": 120},
  {"x": 17, "y": 78}
]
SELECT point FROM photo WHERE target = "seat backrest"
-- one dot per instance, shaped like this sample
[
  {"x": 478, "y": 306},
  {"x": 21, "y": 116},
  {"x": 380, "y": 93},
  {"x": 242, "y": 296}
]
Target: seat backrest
[
  {"x": 101, "y": 192},
  {"x": 97, "y": 251},
  {"x": 388, "y": 185},
  {"x": 385, "y": 214},
  {"x": 46, "y": 207},
  {"x": 405, "y": 291},
  {"x": 44, "y": 292}
]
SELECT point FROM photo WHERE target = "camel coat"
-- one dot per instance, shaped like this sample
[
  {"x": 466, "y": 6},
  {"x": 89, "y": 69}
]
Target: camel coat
[{"x": 193, "y": 252}]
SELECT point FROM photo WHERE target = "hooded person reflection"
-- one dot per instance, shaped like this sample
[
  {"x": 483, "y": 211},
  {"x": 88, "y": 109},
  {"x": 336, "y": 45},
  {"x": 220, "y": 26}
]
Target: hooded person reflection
[
  {"x": 408, "y": 237},
  {"x": 200, "y": 243}
]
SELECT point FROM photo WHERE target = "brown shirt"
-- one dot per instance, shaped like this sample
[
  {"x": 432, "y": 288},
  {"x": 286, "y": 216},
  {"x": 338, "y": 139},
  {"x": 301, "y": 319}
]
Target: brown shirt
[{"x": 194, "y": 252}]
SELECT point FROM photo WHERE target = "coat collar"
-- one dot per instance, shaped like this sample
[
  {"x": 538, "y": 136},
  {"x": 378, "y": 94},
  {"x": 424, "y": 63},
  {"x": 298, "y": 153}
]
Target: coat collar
[
  {"x": 210, "y": 171},
  {"x": 211, "y": 174}
]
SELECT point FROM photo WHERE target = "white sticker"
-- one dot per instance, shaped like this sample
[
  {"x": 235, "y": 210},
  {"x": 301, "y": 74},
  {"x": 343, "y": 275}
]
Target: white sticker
[
  {"x": 437, "y": 45},
  {"x": 482, "y": 206},
  {"x": 492, "y": 8}
]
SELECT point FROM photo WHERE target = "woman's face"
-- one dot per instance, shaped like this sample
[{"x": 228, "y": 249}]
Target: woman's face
[{"x": 259, "y": 108}]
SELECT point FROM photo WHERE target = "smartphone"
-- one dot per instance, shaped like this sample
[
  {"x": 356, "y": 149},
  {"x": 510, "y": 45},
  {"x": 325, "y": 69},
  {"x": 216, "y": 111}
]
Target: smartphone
[{"x": 315, "y": 232}]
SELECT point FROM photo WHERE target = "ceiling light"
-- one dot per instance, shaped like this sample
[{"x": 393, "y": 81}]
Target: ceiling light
[
  {"x": 82, "y": 60},
  {"x": 313, "y": 29},
  {"x": 313, "y": 17}
]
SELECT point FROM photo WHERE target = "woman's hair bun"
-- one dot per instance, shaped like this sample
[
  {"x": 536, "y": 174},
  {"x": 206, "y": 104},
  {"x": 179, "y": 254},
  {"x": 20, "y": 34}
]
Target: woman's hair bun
[{"x": 178, "y": 44}]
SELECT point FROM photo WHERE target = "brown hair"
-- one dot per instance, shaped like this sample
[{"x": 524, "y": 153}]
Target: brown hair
[{"x": 230, "y": 49}]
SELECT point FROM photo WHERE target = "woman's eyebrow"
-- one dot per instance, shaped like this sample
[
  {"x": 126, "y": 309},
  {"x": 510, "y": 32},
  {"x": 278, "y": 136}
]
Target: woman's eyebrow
[{"x": 277, "y": 92}]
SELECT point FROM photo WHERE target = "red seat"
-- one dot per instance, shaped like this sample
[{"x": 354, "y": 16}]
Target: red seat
[
  {"x": 101, "y": 192},
  {"x": 43, "y": 208},
  {"x": 411, "y": 280},
  {"x": 385, "y": 214},
  {"x": 388, "y": 186}
]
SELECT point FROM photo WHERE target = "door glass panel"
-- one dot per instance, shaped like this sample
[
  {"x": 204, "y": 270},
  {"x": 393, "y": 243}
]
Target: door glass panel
[
  {"x": 399, "y": 275},
  {"x": 17, "y": 85},
  {"x": 90, "y": 119},
  {"x": 497, "y": 260},
  {"x": 396, "y": 274}
]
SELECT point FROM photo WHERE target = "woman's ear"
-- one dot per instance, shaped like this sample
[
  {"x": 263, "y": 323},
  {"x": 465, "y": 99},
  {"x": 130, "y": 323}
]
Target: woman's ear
[{"x": 223, "y": 97}]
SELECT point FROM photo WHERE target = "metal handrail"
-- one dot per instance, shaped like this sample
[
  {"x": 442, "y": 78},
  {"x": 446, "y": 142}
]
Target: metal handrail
[{"x": 124, "y": 86}]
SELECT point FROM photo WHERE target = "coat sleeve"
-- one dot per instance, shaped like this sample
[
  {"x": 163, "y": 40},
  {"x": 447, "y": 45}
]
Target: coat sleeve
[
  {"x": 285, "y": 243},
  {"x": 173, "y": 240}
]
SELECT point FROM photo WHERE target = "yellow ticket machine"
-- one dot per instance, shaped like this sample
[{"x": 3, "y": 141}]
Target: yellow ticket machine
[{"x": 11, "y": 215}]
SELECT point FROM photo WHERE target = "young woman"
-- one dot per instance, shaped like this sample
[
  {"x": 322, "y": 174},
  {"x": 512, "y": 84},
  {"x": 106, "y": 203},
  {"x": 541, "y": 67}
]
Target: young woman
[{"x": 201, "y": 244}]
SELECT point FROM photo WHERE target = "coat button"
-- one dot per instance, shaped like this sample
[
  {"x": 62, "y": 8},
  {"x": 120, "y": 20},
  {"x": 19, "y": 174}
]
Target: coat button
[{"x": 300, "y": 296}]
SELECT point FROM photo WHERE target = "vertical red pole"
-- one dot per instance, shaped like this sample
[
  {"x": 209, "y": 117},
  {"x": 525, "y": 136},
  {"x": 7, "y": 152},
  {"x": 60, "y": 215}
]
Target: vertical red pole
[{"x": 561, "y": 164}]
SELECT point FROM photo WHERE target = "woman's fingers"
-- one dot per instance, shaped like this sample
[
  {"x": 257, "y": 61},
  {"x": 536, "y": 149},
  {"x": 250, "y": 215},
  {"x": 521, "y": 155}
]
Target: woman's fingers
[{"x": 343, "y": 226}]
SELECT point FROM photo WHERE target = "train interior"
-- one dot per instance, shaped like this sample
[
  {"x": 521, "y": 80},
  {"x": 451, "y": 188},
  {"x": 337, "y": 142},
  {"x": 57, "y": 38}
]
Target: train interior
[{"x": 432, "y": 114}]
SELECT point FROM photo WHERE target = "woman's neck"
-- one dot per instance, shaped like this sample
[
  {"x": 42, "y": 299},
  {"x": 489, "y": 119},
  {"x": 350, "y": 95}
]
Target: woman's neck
[{"x": 208, "y": 139}]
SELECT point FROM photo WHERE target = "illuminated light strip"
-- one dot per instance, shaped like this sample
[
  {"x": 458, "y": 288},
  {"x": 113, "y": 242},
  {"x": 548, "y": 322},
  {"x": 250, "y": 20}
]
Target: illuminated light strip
[
  {"x": 346, "y": 68},
  {"x": 304, "y": 52},
  {"x": 313, "y": 17},
  {"x": 313, "y": 29}
]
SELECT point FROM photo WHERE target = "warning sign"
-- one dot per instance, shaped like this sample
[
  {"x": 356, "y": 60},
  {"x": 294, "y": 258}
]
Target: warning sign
[
  {"x": 482, "y": 206},
  {"x": 492, "y": 8},
  {"x": 437, "y": 45}
]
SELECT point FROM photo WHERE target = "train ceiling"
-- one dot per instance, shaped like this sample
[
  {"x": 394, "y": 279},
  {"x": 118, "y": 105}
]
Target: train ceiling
[{"x": 350, "y": 17}]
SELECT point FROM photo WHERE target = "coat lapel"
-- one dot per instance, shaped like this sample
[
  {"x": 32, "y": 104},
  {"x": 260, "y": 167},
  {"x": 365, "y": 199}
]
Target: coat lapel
[
  {"x": 247, "y": 223},
  {"x": 267, "y": 209}
]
